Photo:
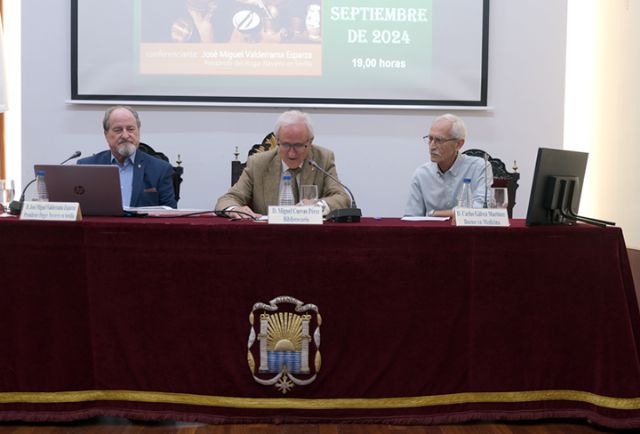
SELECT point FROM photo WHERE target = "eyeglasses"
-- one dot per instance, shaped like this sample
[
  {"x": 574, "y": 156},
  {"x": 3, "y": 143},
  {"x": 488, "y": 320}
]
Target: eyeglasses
[
  {"x": 437, "y": 140},
  {"x": 296, "y": 146}
]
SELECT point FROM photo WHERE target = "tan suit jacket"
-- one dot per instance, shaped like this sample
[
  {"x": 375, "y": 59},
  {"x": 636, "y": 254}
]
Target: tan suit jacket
[{"x": 259, "y": 184}]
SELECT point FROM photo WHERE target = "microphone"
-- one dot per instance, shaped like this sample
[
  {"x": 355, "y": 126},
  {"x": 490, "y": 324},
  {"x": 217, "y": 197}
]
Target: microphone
[
  {"x": 486, "y": 181},
  {"x": 343, "y": 215},
  {"x": 15, "y": 207},
  {"x": 74, "y": 155}
]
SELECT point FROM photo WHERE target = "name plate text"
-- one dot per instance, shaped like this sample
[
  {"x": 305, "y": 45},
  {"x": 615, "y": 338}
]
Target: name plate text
[
  {"x": 51, "y": 211},
  {"x": 295, "y": 215},
  {"x": 481, "y": 217}
]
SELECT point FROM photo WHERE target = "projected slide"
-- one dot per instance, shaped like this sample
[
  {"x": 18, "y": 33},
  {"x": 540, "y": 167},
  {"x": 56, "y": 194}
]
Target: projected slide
[
  {"x": 238, "y": 37},
  {"x": 335, "y": 52}
]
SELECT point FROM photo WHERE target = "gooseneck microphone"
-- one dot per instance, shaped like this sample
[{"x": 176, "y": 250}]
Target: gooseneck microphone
[
  {"x": 15, "y": 207},
  {"x": 74, "y": 155},
  {"x": 486, "y": 181},
  {"x": 343, "y": 215}
]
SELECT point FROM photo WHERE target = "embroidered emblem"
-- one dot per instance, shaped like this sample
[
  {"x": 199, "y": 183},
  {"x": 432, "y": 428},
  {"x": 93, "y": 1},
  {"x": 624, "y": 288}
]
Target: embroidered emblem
[{"x": 285, "y": 346}]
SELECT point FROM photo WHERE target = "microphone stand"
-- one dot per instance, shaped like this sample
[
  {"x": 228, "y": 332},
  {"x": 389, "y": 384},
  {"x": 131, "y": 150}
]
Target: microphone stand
[
  {"x": 342, "y": 215},
  {"x": 486, "y": 181},
  {"x": 15, "y": 207}
]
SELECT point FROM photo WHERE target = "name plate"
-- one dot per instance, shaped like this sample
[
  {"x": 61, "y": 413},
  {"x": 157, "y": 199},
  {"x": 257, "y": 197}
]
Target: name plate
[
  {"x": 51, "y": 211},
  {"x": 295, "y": 215},
  {"x": 481, "y": 217}
]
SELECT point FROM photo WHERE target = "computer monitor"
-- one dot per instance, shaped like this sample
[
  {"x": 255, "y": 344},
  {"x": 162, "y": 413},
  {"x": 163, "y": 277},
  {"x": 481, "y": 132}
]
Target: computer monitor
[{"x": 557, "y": 184}]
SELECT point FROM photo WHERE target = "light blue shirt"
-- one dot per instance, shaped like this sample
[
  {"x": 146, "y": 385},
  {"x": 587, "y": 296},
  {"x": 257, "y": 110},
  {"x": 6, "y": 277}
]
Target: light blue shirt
[
  {"x": 126, "y": 177},
  {"x": 433, "y": 190}
]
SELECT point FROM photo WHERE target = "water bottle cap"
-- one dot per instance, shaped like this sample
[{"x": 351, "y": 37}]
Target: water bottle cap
[
  {"x": 40, "y": 173},
  {"x": 467, "y": 180}
]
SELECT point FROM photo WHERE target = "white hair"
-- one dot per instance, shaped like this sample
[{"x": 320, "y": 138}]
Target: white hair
[
  {"x": 293, "y": 117},
  {"x": 458, "y": 129}
]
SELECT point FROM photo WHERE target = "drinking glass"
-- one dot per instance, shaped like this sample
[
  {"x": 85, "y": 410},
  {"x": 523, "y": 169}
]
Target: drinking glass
[
  {"x": 308, "y": 194},
  {"x": 7, "y": 191},
  {"x": 499, "y": 197}
]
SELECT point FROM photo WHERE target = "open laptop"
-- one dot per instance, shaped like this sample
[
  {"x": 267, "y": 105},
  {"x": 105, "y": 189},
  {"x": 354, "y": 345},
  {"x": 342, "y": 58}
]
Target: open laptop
[{"x": 95, "y": 187}]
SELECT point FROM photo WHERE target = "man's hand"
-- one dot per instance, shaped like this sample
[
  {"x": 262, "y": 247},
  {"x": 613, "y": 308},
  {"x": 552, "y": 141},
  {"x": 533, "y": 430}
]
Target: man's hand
[
  {"x": 308, "y": 202},
  {"x": 443, "y": 213},
  {"x": 242, "y": 213}
]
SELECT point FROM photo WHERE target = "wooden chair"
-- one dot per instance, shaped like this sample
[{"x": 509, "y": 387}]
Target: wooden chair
[
  {"x": 269, "y": 142},
  {"x": 501, "y": 177},
  {"x": 178, "y": 170}
]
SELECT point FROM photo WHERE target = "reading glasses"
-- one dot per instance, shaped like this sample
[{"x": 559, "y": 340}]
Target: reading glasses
[
  {"x": 295, "y": 146},
  {"x": 437, "y": 140}
]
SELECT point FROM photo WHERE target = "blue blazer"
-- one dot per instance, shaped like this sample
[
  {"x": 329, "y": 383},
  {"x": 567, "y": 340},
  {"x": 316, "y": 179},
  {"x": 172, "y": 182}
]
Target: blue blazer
[{"x": 152, "y": 179}]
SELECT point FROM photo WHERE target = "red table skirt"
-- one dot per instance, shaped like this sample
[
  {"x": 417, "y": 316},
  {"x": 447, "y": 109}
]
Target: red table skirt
[{"x": 202, "y": 319}]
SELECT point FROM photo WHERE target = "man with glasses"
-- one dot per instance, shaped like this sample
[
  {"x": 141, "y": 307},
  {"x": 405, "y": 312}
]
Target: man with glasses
[
  {"x": 435, "y": 185},
  {"x": 261, "y": 181}
]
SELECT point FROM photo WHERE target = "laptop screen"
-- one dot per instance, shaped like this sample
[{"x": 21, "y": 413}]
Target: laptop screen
[{"x": 95, "y": 187}]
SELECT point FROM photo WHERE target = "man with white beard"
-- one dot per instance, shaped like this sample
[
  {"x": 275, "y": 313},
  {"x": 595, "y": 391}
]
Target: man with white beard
[{"x": 145, "y": 180}]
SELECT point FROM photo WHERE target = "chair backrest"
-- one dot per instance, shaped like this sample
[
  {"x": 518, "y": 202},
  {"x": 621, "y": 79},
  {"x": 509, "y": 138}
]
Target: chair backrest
[
  {"x": 178, "y": 170},
  {"x": 501, "y": 177},
  {"x": 269, "y": 142}
]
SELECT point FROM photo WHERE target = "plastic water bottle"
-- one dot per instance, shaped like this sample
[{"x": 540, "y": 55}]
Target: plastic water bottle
[
  {"x": 465, "y": 200},
  {"x": 41, "y": 187},
  {"x": 286, "y": 192}
]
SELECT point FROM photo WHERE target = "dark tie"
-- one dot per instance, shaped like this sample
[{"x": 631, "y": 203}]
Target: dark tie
[{"x": 294, "y": 184}]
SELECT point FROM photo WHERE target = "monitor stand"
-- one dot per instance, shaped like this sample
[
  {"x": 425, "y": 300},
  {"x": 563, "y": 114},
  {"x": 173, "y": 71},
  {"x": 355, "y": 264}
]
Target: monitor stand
[
  {"x": 560, "y": 190},
  {"x": 570, "y": 215}
]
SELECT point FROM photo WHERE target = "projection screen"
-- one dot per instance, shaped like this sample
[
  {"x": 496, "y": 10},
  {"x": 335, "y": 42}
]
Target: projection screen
[{"x": 373, "y": 53}]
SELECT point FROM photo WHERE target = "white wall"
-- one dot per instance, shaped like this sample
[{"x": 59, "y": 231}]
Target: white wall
[
  {"x": 376, "y": 150},
  {"x": 602, "y": 110},
  {"x": 616, "y": 130}
]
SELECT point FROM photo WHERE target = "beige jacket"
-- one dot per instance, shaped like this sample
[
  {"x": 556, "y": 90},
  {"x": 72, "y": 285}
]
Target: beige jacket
[{"x": 259, "y": 184}]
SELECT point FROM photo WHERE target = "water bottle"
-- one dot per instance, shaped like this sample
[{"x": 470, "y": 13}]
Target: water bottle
[
  {"x": 41, "y": 187},
  {"x": 286, "y": 193},
  {"x": 464, "y": 199}
]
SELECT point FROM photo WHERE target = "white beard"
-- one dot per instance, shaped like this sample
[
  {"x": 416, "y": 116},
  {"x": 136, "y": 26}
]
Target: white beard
[{"x": 126, "y": 149}]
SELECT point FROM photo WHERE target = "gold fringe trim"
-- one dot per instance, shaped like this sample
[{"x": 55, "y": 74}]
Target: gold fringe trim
[{"x": 319, "y": 404}]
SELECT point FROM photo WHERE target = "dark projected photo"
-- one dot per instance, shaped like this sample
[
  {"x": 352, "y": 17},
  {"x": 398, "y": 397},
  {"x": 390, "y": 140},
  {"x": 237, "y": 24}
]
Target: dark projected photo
[
  {"x": 305, "y": 52},
  {"x": 232, "y": 37}
]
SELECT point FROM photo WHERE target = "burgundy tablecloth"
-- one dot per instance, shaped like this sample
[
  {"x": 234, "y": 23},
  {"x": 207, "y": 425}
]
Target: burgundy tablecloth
[{"x": 420, "y": 322}]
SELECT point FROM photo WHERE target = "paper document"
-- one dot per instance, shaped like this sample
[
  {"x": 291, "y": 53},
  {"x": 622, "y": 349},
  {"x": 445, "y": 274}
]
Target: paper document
[
  {"x": 159, "y": 211},
  {"x": 148, "y": 208},
  {"x": 420, "y": 218}
]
